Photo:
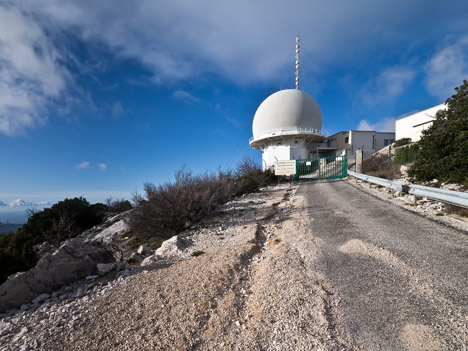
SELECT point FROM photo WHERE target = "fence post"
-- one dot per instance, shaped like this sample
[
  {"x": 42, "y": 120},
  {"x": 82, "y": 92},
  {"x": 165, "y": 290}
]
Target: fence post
[{"x": 359, "y": 161}]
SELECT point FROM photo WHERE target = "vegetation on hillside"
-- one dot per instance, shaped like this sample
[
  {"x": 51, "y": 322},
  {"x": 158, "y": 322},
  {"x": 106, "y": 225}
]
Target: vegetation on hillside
[
  {"x": 65, "y": 219},
  {"x": 381, "y": 166},
  {"x": 406, "y": 154},
  {"x": 172, "y": 207},
  {"x": 443, "y": 148},
  {"x": 401, "y": 142}
]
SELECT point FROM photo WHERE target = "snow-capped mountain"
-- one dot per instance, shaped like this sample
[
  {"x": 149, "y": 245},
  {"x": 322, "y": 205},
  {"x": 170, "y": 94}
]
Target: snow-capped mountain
[{"x": 19, "y": 202}]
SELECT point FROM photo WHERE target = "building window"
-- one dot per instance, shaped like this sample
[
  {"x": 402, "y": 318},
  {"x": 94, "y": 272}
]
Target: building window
[
  {"x": 385, "y": 142},
  {"x": 346, "y": 140},
  {"x": 391, "y": 141},
  {"x": 279, "y": 142},
  {"x": 295, "y": 141}
]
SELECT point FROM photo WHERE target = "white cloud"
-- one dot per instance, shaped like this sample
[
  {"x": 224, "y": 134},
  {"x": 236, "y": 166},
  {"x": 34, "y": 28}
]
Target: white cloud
[
  {"x": 42, "y": 203},
  {"x": 102, "y": 166},
  {"x": 185, "y": 96},
  {"x": 385, "y": 125},
  {"x": 30, "y": 73},
  {"x": 82, "y": 165},
  {"x": 447, "y": 68},
  {"x": 242, "y": 40},
  {"x": 388, "y": 85}
]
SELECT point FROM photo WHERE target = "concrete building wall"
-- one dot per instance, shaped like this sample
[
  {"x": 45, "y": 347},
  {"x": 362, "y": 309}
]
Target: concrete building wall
[
  {"x": 346, "y": 143},
  {"x": 412, "y": 126}
]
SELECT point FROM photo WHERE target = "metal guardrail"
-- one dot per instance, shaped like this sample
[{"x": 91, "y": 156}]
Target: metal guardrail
[
  {"x": 395, "y": 184},
  {"x": 457, "y": 198},
  {"x": 453, "y": 197}
]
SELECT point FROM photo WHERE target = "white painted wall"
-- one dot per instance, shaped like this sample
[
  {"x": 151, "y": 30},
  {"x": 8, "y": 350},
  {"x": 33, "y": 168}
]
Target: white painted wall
[
  {"x": 283, "y": 150},
  {"x": 413, "y": 125}
]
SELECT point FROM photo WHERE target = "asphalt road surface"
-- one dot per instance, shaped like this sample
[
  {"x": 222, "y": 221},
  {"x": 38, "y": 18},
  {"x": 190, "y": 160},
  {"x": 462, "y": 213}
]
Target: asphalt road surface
[{"x": 402, "y": 279}]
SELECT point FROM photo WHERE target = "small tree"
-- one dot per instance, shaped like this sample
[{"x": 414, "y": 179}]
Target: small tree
[{"x": 444, "y": 146}]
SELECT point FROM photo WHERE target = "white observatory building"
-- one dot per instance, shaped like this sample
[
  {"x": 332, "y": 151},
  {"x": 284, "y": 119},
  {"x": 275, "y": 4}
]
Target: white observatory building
[{"x": 286, "y": 124}]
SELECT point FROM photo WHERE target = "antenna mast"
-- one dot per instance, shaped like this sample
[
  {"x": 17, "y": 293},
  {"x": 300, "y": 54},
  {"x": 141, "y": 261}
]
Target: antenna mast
[{"x": 297, "y": 62}]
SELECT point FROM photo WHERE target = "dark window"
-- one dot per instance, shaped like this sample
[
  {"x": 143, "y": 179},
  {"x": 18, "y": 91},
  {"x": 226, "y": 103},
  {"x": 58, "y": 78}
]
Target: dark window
[
  {"x": 346, "y": 140},
  {"x": 385, "y": 142}
]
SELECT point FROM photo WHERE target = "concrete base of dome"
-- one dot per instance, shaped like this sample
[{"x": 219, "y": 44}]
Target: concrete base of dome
[{"x": 283, "y": 151}]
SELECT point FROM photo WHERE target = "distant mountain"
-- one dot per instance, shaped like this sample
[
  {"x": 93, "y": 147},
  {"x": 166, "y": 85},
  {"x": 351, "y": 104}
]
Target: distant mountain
[
  {"x": 19, "y": 202},
  {"x": 5, "y": 228}
]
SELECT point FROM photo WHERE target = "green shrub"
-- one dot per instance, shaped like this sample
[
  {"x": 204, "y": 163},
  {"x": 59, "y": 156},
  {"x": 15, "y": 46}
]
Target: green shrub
[
  {"x": 443, "y": 147},
  {"x": 65, "y": 219},
  {"x": 16, "y": 253},
  {"x": 118, "y": 206},
  {"x": 401, "y": 142},
  {"x": 406, "y": 154}
]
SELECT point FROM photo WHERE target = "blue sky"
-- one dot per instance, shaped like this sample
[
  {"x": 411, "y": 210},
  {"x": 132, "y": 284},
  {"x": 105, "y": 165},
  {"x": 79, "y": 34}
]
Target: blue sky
[{"x": 98, "y": 97}]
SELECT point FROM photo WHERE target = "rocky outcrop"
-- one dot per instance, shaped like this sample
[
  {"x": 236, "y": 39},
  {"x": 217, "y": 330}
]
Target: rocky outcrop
[
  {"x": 169, "y": 249},
  {"x": 74, "y": 260}
]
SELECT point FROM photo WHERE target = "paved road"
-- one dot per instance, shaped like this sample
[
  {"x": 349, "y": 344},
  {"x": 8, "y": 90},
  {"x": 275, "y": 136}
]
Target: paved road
[{"x": 402, "y": 278}]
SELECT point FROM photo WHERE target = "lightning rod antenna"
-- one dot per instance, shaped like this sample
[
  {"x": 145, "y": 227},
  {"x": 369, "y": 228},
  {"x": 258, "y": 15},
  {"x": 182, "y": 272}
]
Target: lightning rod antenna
[{"x": 297, "y": 62}]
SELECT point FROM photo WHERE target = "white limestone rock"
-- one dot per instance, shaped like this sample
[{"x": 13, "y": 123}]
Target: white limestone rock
[{"x": 170, "y": 248}]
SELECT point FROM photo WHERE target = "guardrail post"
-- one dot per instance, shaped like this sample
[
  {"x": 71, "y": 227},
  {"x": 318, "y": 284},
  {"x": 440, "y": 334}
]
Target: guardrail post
[{"x": 415, "y": 200}]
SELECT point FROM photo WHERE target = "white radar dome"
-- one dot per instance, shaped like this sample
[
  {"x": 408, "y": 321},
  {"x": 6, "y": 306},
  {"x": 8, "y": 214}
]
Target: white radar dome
[{"x": 287, "y": 111}]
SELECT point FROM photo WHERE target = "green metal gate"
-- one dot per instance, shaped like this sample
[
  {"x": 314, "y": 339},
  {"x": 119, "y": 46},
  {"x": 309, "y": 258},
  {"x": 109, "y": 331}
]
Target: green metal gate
[{"x": 321, "y": 168}]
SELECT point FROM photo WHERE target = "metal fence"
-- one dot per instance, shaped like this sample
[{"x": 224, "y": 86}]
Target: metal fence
[
  {"x": 457, "y": 198},
  {"x": 321, "y": 168}
]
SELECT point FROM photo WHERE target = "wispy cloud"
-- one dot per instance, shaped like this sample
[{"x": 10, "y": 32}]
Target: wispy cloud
[
  {"x": 117, "y": 109},
  {"x": 102, "y": 166},
  {"x": 31, "y": 76},
  {"x": 388, "y": 85},
  {"x": 447, "y": 68},
  {"x": 82, "y": 165},
  {"x": 385, "y": 125},
  {"x": 185, "y": 96}
]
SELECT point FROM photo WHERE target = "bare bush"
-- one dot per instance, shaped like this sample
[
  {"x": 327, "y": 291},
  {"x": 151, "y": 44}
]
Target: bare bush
[
  {"x": 170, "y": 208},
  {"x": 250, "y": 177},
  {"x": 381, "y": 166}
]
